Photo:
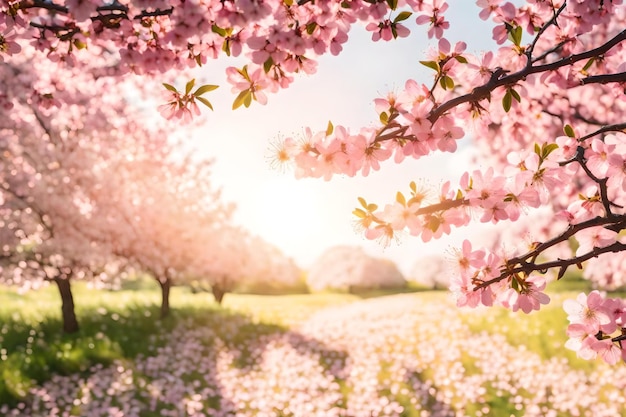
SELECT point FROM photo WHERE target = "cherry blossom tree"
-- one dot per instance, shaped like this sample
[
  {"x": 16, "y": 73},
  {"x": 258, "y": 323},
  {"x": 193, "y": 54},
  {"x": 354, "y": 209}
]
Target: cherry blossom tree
[
  {"x": 49, "y": 171},
  {"x": 234, "y": 259},
  {"x": 544, "y": 109},
  {"x": 88, "y": 184},
  {"x": 171, "y": 215},
  {"x": 271, "y": 272}
]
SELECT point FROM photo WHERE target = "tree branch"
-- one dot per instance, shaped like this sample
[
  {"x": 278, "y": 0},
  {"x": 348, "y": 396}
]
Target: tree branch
[
  {"x": 618, "y": 127},
  {"x": 528, "y": 268},
  {"x": 619, "y": 77},
  {"x": 552, "y": 21},
  {"x": 496, "y": 80}
]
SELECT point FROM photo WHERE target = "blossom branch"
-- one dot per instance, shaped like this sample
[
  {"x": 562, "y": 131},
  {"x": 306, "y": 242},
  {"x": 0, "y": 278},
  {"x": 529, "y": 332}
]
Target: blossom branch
[
  {"x": 530, "y": 267},
  {"x": 551, "y": 22},
  {"x": 498, "y": 79},
  {"x": 619, "y": 77},
  {"x": 618, "y": 127},
  {"x": 442, "y": 206}
]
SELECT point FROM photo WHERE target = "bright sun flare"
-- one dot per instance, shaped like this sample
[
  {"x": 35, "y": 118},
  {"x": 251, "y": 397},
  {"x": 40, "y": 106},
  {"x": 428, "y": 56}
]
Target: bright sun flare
[{"x": 286, "y": 211}]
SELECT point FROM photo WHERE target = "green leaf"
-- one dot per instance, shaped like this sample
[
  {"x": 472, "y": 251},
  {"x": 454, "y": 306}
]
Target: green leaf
[
  {"x": 205, "y": 102},
  {"x": 226, "y": 47},
  {"x": 588, "y": 64},
  {"x": 189, "y": 86},
  {"x": 205, "y": 89},
  {"x": 569, "y": 131},
  {"x": 413, "y": 186},
  {"x": 79, "y": 44},
  {"x": 218, "y": 30},
  {"x": 515, "y": 284},
  {"x": 400, "y": 198},
  {"x": 240, "y": 99},
  {"x": 244, "y": 72},
  {"x": 515, "y": 35},
  {"x": 446, "y": 82},
  {"x": 384, "y": 118},
  {"x": 507, "y": 100},
  {"x": 402, "y": 16},
  {"x": 267, "y": 65},
  {"x": 537, "y": 149},
  {"x": 515, "y": 95},
  {"x": 461, "y": 59},
  {"x": 288, "y": 2},
  {"x": 393, "y": 4},
  {"x": 359, "y": 213},
  {"x": 372, "y": 207},
  {"x": 547, "y": 149},
  {"x": 247, "y": 100},
  {"x": 310, "y": 28},
  {"x": 363, "y": 202},
  {"x": 329, "y": 128},
  {"x": 431, "y": 64},
  {"x": 170, "y": 87}
]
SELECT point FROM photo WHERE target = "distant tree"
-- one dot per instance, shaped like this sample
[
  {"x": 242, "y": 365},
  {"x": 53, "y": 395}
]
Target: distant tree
[
  {"x": 433, "y": 271},
  {"x": 273, "y": 272},
  {"x": 347, "y": 268}
]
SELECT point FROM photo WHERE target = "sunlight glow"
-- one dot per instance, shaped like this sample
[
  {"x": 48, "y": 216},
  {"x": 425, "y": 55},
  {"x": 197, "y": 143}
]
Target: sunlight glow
[{"x": 285, "y": 212}]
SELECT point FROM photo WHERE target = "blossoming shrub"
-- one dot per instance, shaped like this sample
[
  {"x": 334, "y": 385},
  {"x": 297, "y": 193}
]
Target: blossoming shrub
[
  {"x": 347, "y": 268},
  {"x": 432, "y": 271}
]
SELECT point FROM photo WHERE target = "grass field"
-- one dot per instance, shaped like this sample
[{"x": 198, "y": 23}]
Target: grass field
[{"x": 296, "y": 355}]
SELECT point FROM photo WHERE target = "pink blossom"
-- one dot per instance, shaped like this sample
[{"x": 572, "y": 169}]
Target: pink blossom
[
  {"x": 433, "y": 14},
  {"x": 530, "y": 297},
  {"x": 588, "y": 310},
  {"x": 581, "y": 341},
  {"x": 607, "y": 350}
]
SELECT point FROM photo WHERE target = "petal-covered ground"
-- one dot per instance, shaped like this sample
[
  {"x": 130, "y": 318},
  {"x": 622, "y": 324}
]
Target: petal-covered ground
[{"x": 401, "y": 355}]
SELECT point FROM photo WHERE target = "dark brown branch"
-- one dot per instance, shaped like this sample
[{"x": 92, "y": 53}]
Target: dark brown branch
[
  {"x": 528, "y": 268},
  {"x": 482, "y": 92},
  {"x": 618, "y": 127},
  {"x": 40, "y": 4},
  {"x": 552, "y": 21},
  {"x": 619, "y": 77},
  {"x": 547, "y": 53},
  {"x": 400, "y": 133},
  {"x": 571, "y": 231},
  {"x": 604, "y": 193},
  {"x": 157, "y": 12}
]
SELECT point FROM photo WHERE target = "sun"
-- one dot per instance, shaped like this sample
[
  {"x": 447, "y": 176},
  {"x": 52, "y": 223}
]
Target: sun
[{"x": 286, "y": 211}]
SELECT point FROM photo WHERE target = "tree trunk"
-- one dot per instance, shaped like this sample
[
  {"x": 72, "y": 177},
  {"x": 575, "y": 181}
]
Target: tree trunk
[
  {"x": 165, "y": 296},
  {"x": 218, "y": 293},
  {"x": 70, "y": 324}
]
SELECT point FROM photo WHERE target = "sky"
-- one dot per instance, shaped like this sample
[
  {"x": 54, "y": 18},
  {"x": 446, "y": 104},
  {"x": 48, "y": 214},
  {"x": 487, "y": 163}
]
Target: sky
[{"x": 307, "y": 216}]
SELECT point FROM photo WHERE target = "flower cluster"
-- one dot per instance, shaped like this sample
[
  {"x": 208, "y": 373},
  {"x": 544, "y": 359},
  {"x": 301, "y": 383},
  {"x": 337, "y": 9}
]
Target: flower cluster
[{"x": 594, "y": 319}]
